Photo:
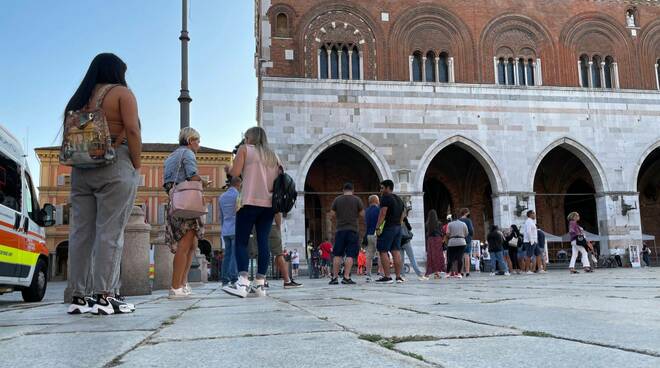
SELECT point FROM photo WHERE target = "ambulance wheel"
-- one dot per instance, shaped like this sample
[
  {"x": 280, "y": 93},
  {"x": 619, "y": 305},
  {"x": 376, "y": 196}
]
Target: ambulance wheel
[{"x": 37, "y": 289}]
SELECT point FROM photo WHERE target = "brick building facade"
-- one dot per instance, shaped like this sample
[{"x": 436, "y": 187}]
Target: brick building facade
[
  {"x": 499, "y": 106},
  {"x": 55, "y": 188}
]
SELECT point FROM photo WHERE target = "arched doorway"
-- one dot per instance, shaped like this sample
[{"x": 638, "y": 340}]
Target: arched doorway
[
  {"x": 648, "y": 186},
  {"x": 61, "y": 261},
  {"x": 335, "y": 166},
  {"x": 456, "y": 179},
  {"x": 563, "y": 184}
]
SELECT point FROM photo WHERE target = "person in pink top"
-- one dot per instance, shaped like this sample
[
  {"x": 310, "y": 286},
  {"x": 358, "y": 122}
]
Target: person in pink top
[
  {"x": 259, "y": 166},
  {"x": 579, "y": 243}
]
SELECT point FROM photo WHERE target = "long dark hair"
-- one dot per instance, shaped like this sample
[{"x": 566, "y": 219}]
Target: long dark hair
[
  {"x": 432, "y": 223},
  {"x": 106, "y": 68},
  {"x": 515, "y": 231}
]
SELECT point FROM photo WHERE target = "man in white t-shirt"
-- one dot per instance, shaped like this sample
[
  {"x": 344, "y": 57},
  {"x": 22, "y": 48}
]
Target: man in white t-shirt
[
  {"x": 295, "y": 262},
  {"x": 530, "y": 241}
]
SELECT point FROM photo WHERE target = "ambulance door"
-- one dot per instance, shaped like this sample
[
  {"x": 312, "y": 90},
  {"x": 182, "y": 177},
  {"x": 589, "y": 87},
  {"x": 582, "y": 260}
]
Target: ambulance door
[
  {"x": 33, "y": 235},
  {"x": 12, "y": 242}
]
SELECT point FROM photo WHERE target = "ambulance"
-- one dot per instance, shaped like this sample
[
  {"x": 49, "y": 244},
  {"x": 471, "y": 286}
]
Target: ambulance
[{"x": 23, "y": 252}]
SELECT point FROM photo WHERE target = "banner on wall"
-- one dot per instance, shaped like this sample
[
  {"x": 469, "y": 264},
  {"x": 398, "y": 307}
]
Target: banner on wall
[{"x": 635, "y": 256}]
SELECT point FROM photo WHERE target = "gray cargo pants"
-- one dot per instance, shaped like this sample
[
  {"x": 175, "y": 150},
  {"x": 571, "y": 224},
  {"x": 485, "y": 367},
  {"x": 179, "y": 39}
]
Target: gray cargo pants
[{"x": 101, "y": 203}]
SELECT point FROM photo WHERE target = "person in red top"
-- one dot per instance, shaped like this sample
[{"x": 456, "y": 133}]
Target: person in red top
[{"x": 326, "y": 257}]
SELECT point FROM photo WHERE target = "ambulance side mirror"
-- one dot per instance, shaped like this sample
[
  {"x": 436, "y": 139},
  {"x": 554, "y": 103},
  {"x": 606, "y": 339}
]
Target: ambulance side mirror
[{"x": 47, "y": 215}]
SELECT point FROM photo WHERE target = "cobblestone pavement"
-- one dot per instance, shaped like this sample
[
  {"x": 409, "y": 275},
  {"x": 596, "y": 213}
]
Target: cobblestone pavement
[{"x": 607, "y": 319}]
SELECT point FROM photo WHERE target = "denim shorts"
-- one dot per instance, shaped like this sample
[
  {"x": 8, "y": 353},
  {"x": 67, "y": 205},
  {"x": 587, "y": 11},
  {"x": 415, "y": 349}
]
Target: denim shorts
[
  {"x": 468, "y": 247},
  {"x": 347, "y": 243},
  {"x": 389, "y": 239},
  {"x": 532, "y": 250}
]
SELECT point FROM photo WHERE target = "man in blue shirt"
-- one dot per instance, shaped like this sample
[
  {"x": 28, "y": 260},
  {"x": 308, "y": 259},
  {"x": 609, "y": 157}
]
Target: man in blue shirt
[
  {"x": 371, "y": 219},
  {"x": 227, "y": 205}
]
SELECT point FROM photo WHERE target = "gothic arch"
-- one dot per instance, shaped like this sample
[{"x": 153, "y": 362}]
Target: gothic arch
[
  {"x": 475, "y": 149},
  {"x": 355, "y": 141},
  {"x": 583, "y": 153},
  {"x": 649, "y": 50},
  {"x": 520, "y": 34},
  {"x": 339, "y": 22},
  {"x": 595, "y": 33},
  {"x": 638, "y": 166},
  {"x": 430, "y": 27}
]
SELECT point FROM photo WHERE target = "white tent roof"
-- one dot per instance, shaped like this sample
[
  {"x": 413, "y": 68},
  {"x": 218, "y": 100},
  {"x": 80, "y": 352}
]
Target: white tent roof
[
  {"x": 552, "y": 238},
  {"x": 590, "y": 236},
  {"x": 648, "y": 237}
]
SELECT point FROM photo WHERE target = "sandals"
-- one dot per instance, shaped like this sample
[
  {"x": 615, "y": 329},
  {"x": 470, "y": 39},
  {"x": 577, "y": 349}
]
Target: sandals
[
  {"x": 588, "y": 270},
  {"x": 573, "y": 271}
]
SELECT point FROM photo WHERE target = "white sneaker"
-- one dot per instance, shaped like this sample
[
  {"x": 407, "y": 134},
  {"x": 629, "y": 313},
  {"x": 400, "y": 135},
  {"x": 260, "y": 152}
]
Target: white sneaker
[
  {"x": 257, "y": 290},
  {"x": 423, "y": 278},
  {"x": 179, "y": 293},
  {"x": 543, "y": 271},
  {"x": 458, "y": 276},
  {"x": 187, "y": 289},
  {"x": 530, "y": 272},
  {"x": 493, "y": 274},
  {"x": 507, "y": 274},
  {"x": 239, "y": 288}
]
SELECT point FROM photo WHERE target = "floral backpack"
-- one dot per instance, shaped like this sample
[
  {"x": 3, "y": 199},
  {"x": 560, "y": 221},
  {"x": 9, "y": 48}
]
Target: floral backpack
[{"x": 86, "y": 141}]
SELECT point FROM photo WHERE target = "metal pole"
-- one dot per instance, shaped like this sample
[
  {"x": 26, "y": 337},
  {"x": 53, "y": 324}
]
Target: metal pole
[{"x": 184, "y": 97}]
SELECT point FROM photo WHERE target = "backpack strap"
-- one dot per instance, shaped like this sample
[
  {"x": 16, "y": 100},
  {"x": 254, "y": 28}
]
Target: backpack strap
[{"x": 102, "y": 93}]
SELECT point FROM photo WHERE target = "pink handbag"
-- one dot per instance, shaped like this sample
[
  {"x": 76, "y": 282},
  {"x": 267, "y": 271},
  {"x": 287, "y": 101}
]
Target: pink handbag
[{"x": 187, "y": 198}]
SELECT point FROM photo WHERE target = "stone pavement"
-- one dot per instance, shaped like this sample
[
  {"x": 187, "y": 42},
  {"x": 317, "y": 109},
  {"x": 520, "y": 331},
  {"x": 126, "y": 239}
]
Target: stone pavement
[{"x": 607, "y": 319}]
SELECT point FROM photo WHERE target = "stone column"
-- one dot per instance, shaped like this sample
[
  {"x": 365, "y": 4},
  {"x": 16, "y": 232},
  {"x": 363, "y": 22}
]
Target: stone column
[
  {"x": 538, "y": 72},
  {"x": 602, "y": 75},
  {"x": 579, "y": 63},
  {"x": 516, "y": 73},
  {"x": 615, "y": 75},
  {"x": 619, "y": 220},
  {"x": 135, "y": 256},
  {"x": 511, "y": 208},
  {"x": 657, "y": 77},
  {"x": 410, "y": 67},
  {"x": 293, "y": 226},
  {"x": 339, "y": 62},
  {"x": 329, "y": 52},
  {"x": 423, "y": 68},
  {"x": 525, "y": 71},
  {"x": 362, "y": 65},
  {"x": 591, "y": 74},
  {"x": 163, "y": 259},
  {"x": 350, "y": 64},
  {"x": 506, "y": 72},
  {"x": 450, "y": 66},
  {"x": 436, "y": 65},
  {"x": 318, "y": 66},
  {"x": 496, "y": 68}
]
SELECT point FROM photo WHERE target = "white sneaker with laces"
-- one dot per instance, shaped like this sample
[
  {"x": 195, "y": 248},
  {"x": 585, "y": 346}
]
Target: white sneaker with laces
[
  {"x": 177, "y": 293},
  {"x": 507, "y": 274},
  {"x": 423, "y": 278},
  {"x": 239, "y": 288},
  {"x": 81, "y": 305}
]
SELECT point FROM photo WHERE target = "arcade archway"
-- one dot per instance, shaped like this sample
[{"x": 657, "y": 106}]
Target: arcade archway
[
  {"x": 648, "y": 186},
  {"x": 61, "y": 261},
  {"x": 335, "y": 166}
]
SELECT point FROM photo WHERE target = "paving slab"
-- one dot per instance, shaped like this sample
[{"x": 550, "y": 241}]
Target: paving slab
[
  {"x": 334, "y": 349},
  {"x": 524, "y": 351},
  {"x": 213, "y": 323},
  {"x": 75, "y": 350}
]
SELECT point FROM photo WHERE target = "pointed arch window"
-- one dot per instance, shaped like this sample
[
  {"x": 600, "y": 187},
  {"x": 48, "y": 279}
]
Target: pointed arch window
[
  {"x": 608, "y": 69},
  {"x": 530, "y": 67},
  {"x": 510, "y": 72},
  {"x": 323, "y": 63},
  {"x": 501, "y": 71},
  {"x": 596, "y": 72},
  {"x": 345, "y": 69},
  {"x": 443, "y": 68},
  {"x": 334, "y": 63},
  {"x": 584, "y": 71}
]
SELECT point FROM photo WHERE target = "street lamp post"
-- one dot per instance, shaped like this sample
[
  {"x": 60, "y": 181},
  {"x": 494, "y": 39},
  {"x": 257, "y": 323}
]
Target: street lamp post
[{"x": 184, "y": 97}]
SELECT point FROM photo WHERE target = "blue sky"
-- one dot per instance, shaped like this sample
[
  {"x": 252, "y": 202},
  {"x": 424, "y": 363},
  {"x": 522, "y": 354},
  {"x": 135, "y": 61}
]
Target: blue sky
[{"x": 48, "y": 45}]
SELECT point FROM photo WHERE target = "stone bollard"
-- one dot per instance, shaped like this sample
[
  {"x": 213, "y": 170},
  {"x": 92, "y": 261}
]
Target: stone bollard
[
  {"x": 163, "y": 259},
  {"x": 135, "y": 258}
]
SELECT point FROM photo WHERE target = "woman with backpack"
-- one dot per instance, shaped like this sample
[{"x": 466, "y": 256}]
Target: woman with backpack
[
  {"x": 579, "y": 243},
  {"x": 259, "y": 166},
  {"x": 102, "y": 189},
  {"x": 435, "y": 257},
  {"x": 180, "y": 233},
  {"x": 513, "y": 241}
]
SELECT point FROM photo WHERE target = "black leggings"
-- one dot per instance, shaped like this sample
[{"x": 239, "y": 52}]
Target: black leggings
[
  {"x": 513, "y": 254},
  {"x": 455, "y": 254}
]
